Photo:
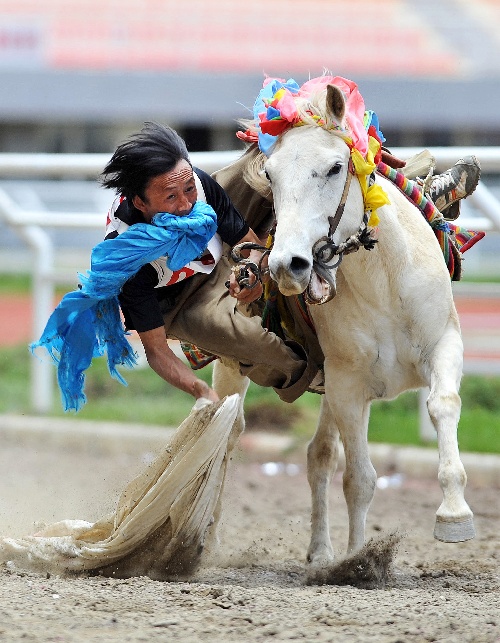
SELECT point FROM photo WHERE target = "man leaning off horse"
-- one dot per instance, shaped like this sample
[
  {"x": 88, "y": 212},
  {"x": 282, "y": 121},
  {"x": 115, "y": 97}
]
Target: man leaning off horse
[{"x": 151, "y": 173}]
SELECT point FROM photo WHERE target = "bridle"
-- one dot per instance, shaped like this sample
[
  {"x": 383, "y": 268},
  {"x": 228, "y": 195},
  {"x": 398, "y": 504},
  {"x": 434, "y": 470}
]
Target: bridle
[{"x": 324, "y": 251}]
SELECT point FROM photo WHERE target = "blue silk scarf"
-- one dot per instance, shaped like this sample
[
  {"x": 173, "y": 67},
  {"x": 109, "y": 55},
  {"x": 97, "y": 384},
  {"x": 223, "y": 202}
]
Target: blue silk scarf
[{"x": 87, "y": 322}]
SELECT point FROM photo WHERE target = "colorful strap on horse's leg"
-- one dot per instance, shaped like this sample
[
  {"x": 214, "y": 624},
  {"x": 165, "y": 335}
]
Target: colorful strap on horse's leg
[{"x": 447, "y": 234}]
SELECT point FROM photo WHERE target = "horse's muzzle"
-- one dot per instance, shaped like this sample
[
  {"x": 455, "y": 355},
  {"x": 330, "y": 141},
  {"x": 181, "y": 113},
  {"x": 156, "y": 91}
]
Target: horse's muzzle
[
  {"x": 292, "y": 276},
  {"x": 299, "y": 276}
]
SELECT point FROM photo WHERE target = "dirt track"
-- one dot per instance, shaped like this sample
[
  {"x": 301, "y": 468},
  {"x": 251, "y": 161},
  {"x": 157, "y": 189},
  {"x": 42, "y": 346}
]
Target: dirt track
[{"x": 256, "y": 590}]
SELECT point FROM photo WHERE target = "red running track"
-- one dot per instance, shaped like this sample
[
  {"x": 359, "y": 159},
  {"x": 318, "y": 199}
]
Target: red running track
[{"x": 479, "y": 318}]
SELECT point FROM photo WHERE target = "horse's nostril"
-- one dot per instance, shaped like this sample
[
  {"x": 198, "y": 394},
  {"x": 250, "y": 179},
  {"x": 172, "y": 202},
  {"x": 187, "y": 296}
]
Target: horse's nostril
[{"x": 298, "y": 264}]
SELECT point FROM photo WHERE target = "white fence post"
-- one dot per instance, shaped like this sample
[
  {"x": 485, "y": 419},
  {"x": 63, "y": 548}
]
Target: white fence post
[
  {"x": 43, "y": 291},
  {"x": 42, "y": 285}
]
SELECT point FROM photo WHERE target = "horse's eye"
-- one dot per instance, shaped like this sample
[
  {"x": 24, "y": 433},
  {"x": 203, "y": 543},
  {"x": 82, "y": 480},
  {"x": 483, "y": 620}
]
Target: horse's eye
[
  {"x": 335, "y": 169},
  {"x": 266, "y": 173}
]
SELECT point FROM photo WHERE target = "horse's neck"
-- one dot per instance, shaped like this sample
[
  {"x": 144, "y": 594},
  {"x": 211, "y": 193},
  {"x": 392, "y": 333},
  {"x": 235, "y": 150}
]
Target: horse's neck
[{"x": 401, "y": 260}]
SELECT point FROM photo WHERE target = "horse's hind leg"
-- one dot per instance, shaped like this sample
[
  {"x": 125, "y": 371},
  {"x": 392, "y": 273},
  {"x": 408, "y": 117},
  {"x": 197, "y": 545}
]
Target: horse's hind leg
[
  {"x": 226, "y": 380},
  {"x": 454, "y": 521},
  {"x": 322, "y": 459}
]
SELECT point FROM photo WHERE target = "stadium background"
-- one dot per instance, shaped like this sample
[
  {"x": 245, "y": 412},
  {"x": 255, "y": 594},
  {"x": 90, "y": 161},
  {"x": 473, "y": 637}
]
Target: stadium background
[{"x": 77, "y": 75}]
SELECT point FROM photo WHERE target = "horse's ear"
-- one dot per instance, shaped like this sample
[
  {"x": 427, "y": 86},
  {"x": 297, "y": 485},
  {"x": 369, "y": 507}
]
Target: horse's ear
[{"x": 335, "y": 102}]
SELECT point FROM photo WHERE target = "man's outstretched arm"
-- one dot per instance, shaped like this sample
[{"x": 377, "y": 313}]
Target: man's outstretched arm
[{"x": 169, "y": 367}]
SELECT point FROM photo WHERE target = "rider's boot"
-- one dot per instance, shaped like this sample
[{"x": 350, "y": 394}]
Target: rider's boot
[{"x": 457, "y": 183}]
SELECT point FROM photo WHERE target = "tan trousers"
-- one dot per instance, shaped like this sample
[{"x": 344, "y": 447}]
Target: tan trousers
[
  {"x": 207, "y": 316},
  {"x": 258, "y": 213}
]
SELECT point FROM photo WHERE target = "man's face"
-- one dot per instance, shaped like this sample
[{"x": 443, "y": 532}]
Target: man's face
[{"x": 174, "y": 192}]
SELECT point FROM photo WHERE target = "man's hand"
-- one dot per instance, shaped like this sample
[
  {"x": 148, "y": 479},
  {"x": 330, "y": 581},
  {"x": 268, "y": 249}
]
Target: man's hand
[
  {"x": 248, "y": 295},
  {"x": 242, "y": 293},
  {"x": 202, "y": 389}
]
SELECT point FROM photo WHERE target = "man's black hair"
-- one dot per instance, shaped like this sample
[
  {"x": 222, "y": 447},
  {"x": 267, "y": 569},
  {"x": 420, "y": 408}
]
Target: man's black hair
[{"x": 154, "y": 150}]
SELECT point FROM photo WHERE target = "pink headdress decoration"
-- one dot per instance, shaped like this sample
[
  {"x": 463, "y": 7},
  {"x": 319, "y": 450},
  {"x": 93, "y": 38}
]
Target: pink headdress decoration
[
  {"x": 354, "y": 109},
  {"x": 275, "y": 110}
]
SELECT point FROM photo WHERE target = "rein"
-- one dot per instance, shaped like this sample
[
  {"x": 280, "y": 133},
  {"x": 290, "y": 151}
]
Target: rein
[{"x": 245, "y": 267}]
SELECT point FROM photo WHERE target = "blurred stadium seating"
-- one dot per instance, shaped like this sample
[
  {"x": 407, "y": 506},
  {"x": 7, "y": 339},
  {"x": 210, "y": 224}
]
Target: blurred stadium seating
[
  {"x": 430, "y": 68},
  {"x": 354, "y": 36}
]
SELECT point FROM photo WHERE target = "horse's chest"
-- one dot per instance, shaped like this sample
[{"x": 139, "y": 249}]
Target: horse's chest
[{"x": 379, "y": 346}]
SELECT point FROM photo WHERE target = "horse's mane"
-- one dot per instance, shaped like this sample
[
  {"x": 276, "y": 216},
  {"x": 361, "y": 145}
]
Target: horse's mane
[{"x": 312, "y": 111}]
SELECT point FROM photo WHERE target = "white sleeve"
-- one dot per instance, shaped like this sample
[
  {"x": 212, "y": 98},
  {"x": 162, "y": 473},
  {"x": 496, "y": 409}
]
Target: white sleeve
[{"x": 113, "y": 223}]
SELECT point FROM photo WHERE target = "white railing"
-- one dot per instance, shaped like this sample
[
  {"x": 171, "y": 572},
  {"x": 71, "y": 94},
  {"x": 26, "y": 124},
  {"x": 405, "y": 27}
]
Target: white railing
[{"x": 31, "y": 225}]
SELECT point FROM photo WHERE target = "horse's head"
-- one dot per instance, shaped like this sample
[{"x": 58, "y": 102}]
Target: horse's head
[{"x": 309, "y": 173}]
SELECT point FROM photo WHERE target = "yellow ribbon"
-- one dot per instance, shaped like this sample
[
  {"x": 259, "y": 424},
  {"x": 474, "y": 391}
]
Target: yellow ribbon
[{"x": 374, "y": 196}]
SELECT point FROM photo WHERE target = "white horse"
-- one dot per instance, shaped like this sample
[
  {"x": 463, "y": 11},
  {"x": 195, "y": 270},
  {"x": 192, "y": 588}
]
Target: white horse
[{"x": 392, "y": 325}]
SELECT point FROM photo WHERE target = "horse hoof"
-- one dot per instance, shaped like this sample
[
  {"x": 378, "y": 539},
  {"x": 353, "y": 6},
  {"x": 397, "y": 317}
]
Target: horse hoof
[
  {"x": 454, "y": 532},
  {"x": 321, "y": 558}
]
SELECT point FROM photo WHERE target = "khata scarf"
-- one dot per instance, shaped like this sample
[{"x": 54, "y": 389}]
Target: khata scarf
[{"x": 87, "y": 322}]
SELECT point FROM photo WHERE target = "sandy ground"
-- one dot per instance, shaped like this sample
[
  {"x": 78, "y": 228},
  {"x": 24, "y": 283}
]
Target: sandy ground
[{"x": 256, "y": 591}]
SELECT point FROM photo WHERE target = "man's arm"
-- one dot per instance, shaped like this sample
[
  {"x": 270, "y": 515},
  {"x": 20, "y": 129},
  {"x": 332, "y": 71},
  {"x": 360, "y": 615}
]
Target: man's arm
[{"x": 169, "y": 367}]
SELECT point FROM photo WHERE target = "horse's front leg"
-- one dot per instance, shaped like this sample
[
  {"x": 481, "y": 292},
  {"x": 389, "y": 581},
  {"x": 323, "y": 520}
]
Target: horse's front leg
[
  {"x": 454, "y": 520},
  {"x": 322, "y": 460},
  {"x": 351, "y": 412}
]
